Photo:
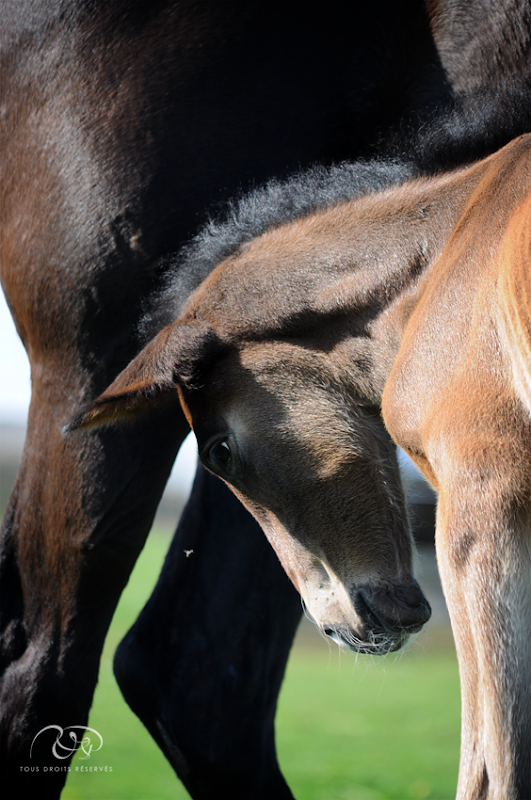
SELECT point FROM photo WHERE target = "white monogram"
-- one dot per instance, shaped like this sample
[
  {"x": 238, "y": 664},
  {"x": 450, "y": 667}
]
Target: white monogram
[{"x": 77, "y": 740}]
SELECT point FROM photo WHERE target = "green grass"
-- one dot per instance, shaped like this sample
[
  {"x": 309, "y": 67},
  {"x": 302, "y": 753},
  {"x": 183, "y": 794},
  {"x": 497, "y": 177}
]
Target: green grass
[
  {"x": 347, "y": 728},
  {"x": 356, "y": 730}
]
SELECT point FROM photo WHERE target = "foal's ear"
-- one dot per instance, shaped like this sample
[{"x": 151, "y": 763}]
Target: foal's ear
[{"x": 175, "y": 357}]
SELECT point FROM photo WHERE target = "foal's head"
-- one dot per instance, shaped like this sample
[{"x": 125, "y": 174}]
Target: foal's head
[
  {"x": 319, "y": 473},
  {"x": 282, "y": 413}
]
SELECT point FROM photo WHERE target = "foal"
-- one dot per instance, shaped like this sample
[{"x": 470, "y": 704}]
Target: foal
[{"x": 413, "y": 299}]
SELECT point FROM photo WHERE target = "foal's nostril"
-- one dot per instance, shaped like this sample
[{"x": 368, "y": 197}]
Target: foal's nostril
[
  {"x": 402, "y": 608},
  {"x": 411, "y": 598}
]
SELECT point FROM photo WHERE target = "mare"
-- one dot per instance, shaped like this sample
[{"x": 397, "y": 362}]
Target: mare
[
  {"x": 414, "y": 300},
  {"x": 122, "y": 126}
]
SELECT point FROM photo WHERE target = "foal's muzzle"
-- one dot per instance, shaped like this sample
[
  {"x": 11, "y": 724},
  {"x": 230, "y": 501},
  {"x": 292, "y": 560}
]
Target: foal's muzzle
[
  {"x": 388, "y": 616},
  {"x": 401, "y": 609}
]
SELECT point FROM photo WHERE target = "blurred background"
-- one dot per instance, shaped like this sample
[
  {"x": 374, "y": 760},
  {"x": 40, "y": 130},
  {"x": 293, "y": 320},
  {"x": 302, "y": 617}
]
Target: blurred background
[{"x": 348, "y": 727}]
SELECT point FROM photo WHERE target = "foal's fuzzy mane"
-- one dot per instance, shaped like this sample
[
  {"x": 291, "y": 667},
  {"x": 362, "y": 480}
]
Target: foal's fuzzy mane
[
  {"x": 249, "y": 216},
  {"x": 466, "y": 130}
]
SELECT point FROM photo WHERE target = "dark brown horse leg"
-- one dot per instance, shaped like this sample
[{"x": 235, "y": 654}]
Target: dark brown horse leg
[
  {"x": 76, "y": 522},
  {"x": 203, "y": 664}
]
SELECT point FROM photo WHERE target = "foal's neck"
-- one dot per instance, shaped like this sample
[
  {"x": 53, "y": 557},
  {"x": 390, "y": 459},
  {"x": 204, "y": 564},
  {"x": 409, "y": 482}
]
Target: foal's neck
[
  {"x": 343, "y": 280},
  {"x": 385, "y": 246}
]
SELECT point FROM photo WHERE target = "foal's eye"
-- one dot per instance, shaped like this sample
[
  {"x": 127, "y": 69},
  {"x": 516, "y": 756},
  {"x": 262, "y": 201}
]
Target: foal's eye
[{"x": 220, "y": 454}]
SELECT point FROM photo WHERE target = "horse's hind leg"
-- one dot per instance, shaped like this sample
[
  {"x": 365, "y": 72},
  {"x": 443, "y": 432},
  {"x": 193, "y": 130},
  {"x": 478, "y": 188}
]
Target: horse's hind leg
[
  {"x": 203, "y": 664},
  {"x": 77, "y": 519}
]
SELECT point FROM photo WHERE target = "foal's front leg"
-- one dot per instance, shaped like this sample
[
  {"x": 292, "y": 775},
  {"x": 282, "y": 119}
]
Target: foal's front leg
[{"x": 483, "y": 550}]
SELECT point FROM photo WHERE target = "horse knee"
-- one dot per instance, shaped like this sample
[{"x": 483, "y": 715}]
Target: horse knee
[
  {"x": 136, "y": 673},
  {"x": 218, "y": 747}
]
